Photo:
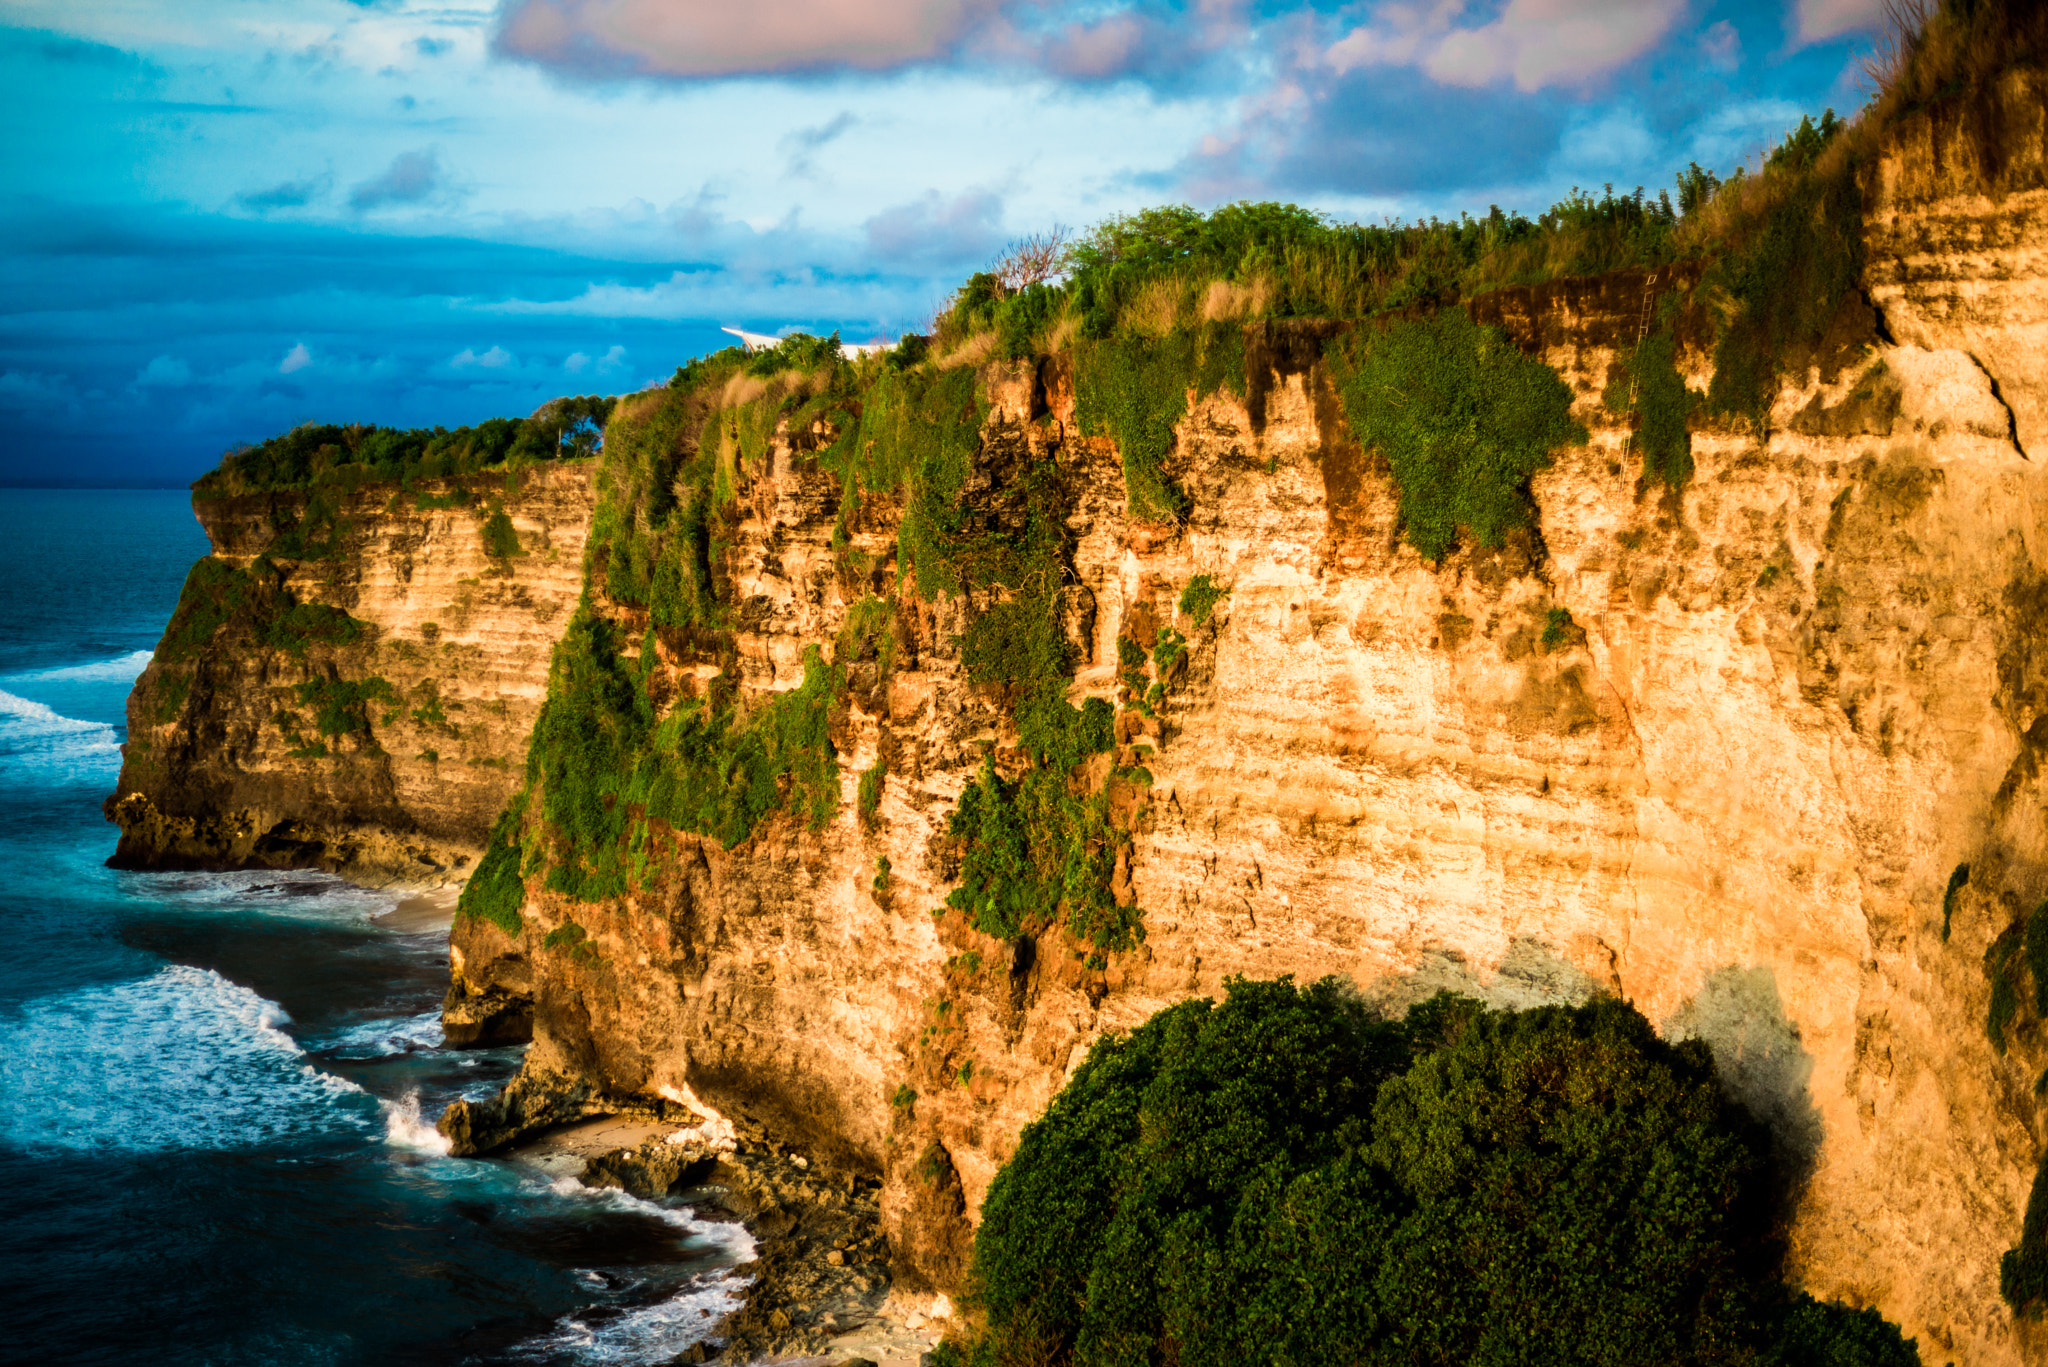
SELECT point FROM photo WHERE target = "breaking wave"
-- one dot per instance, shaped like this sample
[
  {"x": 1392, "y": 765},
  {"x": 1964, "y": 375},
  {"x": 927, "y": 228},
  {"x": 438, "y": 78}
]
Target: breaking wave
[
  {"x": 182, "y": 1059},
  {"x": 33, "y": 735},
  {"x": 121, "y": 669}
]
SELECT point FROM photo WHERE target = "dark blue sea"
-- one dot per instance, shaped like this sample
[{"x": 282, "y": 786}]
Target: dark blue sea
[{"x": 217, "y": 1090}]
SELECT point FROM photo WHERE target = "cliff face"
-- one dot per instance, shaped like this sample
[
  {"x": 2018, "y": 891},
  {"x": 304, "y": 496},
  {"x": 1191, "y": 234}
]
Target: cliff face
[
  {"x": 351, "y": 677},
  {"x": 1719, "y": 750}
]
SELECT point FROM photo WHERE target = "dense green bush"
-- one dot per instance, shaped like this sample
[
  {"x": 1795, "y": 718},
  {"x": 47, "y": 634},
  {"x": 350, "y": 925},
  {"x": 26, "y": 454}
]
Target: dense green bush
[
  {"x": 1789, "y": 254},
  {"x": 495, "y": 892},
  {"x": 1286, "y": 1178},
  {"x": 1662, "y": 405},
  {"x": 1136, "y": 390},
  {"x": 216, "y": 593},
  {"x": 330, "y": 454},
  {"x": 1200, "y": 598},
  {"x": 1463, "y": 418},
  {"x": 341, "y": 707},
  {"x": 501, "y": 539}
]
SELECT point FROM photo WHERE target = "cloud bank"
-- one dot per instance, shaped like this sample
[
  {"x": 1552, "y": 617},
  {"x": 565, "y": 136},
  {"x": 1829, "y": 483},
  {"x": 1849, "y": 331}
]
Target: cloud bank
[{"x": 702, "y": 38}]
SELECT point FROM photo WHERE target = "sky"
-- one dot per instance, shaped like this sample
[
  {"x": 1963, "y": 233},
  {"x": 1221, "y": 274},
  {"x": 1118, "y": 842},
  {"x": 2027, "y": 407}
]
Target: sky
[{"x": 223, "y": 218}]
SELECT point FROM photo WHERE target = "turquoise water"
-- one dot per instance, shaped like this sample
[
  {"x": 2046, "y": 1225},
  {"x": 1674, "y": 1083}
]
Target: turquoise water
[{"x": 216, "y": 1090}]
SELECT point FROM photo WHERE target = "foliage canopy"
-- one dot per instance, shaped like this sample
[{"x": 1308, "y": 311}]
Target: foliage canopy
[{"x": 1286, "y": 1178}]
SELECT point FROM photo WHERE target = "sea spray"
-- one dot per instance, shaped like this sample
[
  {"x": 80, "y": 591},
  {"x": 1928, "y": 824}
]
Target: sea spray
[{"x": 406, "y": 1128}]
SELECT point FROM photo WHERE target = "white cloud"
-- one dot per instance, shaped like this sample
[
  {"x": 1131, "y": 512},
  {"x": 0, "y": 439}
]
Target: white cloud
[
  {"x": 718, "y": 37},
  {"x": 32, "y": 388},
  {"x": 1820, "y": 19},
  {"x": 1721, "y": 46},
  {"x": 1610, "y": 143},
  {"x": 295, "y": 360},
  {"x": 576, "y": 363},
  {"x": 1534, "y": 43},
  {"x": 164, "y": 372},
  {"x": 497, "y": 358}
]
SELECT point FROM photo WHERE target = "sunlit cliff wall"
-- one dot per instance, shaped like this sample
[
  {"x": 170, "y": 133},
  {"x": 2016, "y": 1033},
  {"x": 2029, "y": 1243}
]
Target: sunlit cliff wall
[{"x": 352, "y": 687}]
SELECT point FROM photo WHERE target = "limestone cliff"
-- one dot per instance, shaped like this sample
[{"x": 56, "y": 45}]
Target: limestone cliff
[
  {"x": 351, "y": 676},
  {"x": 1720, "y": 748}
]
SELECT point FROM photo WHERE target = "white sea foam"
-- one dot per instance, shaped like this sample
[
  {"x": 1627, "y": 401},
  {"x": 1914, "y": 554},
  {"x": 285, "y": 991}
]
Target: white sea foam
[
  {"x": 729, "y": 1237},
  {"x": 406, "y": 1128},
  {"x": 182, "y": 1059},
  {"x": 121, "y": 669},
  {"x": 296, "y": 895},
  {"x": 650, "y": 1333},
  {"x": 384, "y": 1038},
  {"x": 34, "y": 737}
]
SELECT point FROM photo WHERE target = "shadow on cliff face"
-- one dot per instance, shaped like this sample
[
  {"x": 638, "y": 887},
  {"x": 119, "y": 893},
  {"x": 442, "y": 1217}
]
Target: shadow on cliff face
[
  {"x": 1531, "y": 975},
  {"x": 1757, "y": 1051},
  {"x": 1737, "y": 1014}
]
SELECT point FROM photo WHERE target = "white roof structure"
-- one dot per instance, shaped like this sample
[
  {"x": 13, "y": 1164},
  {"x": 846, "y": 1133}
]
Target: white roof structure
[{"x": 761, "y": 341}]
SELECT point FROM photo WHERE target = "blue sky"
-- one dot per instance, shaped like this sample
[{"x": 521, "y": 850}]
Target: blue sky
[{"x": 225, "y": 217}]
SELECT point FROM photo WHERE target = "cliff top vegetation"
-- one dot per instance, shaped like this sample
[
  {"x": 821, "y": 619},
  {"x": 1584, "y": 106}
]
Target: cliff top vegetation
[{"x": 316, "y": 455}]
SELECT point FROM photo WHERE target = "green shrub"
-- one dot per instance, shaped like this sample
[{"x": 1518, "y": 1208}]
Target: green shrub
[
  {"x": 172, "y": 690},
  {"x": 501, "y": 539},
  {"x": 1136, "y": 391},
  {"x": 214, "y": 591},
  {"x": 1663, "y": 406},
  {"x": 317, "y": 455},
  {"x": 1558, "y": 630},
  {"x": 342, "y": 706},
  {"x": 307, "y": 624},
  {"x": 495, "y": 892},
  {"x": 1788, "y": 257},
  {"x": 1463, "y": 418},
  {"x": 1284, "y": 1178},
  {"x": 1200, "y": 597},
  {"x": 869, "y": 797}
]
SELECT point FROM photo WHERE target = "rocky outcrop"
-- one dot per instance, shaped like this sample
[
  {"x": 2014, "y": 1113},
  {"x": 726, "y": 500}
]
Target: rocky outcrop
[
  {"x": 1717, "y": 750},
  {"x": 1762, "y": 753},
  {"x": 352, "y": 675}
]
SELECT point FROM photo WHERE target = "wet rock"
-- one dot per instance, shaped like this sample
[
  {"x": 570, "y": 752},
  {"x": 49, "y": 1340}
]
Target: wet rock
[
  {"x": 485, "y": 1020},
  {"x": 532, "y": 1103},
  {"x": 820, "y": 1265}
]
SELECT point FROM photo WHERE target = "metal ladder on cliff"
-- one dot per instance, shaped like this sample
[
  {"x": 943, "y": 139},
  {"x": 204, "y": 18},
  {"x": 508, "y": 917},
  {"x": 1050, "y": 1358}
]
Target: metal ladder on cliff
[{"x": 1643, "y": 320}]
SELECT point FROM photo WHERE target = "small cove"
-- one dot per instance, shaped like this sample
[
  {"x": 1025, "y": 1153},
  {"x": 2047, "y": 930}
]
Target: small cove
[{"x": 217, "y": 1090}]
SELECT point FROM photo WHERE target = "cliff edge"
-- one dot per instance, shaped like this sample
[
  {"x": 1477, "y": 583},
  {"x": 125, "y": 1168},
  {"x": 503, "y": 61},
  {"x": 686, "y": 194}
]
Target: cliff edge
[
  {"x": 915, "y": 735},
  {"x": 350, "y": 678}
]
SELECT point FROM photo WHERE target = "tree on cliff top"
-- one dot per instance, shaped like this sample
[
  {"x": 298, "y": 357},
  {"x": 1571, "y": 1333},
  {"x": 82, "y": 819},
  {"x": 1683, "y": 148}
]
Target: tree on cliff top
[{"x": 1287, "y": 1179}]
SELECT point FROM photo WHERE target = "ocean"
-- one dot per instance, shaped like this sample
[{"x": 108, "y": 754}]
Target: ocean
[{"x": 217, "y": 1090}]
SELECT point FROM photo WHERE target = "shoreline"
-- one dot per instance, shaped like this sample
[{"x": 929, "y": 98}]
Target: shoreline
[
  {"x": 821, "y": 1290},
  {"x": 422, "y": 910}
]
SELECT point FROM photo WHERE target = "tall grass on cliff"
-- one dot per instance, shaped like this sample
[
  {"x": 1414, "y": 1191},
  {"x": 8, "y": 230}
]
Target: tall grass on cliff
[{"x": 1285, "y": 1178}]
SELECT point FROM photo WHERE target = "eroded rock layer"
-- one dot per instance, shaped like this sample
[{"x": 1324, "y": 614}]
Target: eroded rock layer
[
  {"x": 352, "y": 675},
  {"x": 1719, "y": 750},
  {"x": 1760, "y": 751}
]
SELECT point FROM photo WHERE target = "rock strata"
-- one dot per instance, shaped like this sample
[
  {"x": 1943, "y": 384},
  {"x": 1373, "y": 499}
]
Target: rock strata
[
  {"x": 351, "y": 678},
  {"x": 1716, "y": 749}
]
